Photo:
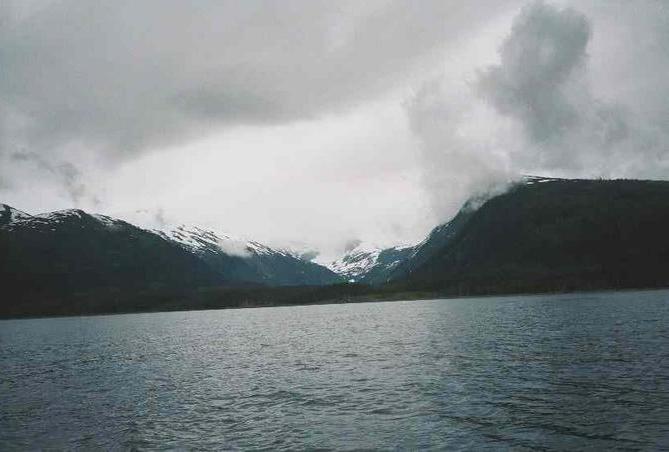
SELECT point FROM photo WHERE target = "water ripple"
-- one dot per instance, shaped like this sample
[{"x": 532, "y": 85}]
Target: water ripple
[{"x": 529, "y": 373}]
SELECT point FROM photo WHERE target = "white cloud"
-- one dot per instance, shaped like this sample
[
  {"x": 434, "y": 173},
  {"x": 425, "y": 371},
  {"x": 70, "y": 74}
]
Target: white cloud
[{"x": 233, "y": 247}]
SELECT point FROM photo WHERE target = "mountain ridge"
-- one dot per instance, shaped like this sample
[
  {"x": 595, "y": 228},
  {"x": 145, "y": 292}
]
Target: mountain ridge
[
  {"x": 540, "y": 235},
  {"x": 71, "y": 251},
  {"x": 550, "y": 235}
]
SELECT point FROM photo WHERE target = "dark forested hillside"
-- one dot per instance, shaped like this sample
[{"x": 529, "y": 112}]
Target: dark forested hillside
[
  {"x": 550, "y": 235},
  {"x": 49, "y": 260},
  {"x": 71, "y": 251}
]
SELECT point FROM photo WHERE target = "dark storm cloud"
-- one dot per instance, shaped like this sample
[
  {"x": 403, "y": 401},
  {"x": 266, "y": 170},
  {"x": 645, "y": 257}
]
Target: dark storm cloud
[
  {"x": 572, "y": 94},
  {"x": 545, "y": 50},
  {"x": 124, "y": 76},
  {"x": 544, "y": 81}
]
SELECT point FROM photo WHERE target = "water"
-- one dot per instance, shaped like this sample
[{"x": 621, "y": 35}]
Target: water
[{"x": 547, "y": 372}]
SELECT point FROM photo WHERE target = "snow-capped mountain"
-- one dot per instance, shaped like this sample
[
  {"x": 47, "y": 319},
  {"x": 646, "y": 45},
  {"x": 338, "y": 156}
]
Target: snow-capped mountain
[
  {"x": 75, "y": 250},
  {"x": 302, "y": 250},
  {"x": 234, "y": 256},
  {"x": 197, "y": 239},
  {"x": 247, "y": 259},
  {"x": 9, "y": 214},
  {"x": 356, "y": 261},
  {"x": 11, "y": 218},
  {"x": 366, "y": 263},
  {"x": 71, "y": 252}
]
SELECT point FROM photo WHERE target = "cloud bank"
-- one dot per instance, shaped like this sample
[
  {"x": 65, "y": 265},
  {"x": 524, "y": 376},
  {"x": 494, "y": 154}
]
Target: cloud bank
[
  {"x": 537, "y": 110},
  {"x": 122, "y": 76}
]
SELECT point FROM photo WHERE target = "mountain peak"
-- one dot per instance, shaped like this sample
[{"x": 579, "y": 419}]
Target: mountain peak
[
  {"x": 63, "y": 213},
  {"x": 12, "y": 218},
  {"x": 366, "y": 262},
  {"x": 9, "y": 214},
  {"x": 92, "y": 251}
]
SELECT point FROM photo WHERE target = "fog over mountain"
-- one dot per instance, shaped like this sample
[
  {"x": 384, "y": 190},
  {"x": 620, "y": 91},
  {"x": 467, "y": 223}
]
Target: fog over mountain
[{"x": 323, "y": 122}]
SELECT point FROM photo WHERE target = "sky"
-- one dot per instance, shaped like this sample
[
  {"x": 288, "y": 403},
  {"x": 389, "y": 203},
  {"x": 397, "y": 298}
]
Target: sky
[{"x": 314, "y": 123}]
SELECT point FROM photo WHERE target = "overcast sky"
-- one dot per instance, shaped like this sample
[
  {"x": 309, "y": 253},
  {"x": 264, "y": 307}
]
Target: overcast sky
[{"x": 319, "y": 122}]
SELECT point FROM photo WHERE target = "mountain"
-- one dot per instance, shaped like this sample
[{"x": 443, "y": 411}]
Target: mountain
[
  {"x": 237, "y": 258},
  {"x": 548, "y": 235},
  {"x": 439, "y": 239},
  {"x": 368, "y": 264},
  {"x": 303, "y": 251},
  {"x": 541, "y": 235},
  {"x": 71, "y": 252},
  {"x": 9, "y": 214},
  {"x": 247, "y": 260}
]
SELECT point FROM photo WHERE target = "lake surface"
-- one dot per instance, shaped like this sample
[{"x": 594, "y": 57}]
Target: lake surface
[{"x": 587, "y": 371}]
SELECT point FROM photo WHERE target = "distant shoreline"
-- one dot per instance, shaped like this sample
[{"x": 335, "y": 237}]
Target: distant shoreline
[{"x": 405, "y": 296}]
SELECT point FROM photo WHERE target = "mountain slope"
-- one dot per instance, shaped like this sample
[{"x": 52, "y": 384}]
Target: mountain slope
[
  {"x": 249, "y": 261},
  {"x": 9, "y": 214},
  {"x": 357, "y": 260},
  {"x": 540, "y": 235},
  {"x": 549, "y": 235},
  {"x": 71, "y": 251},
  {"x": 368, "y": 264}
]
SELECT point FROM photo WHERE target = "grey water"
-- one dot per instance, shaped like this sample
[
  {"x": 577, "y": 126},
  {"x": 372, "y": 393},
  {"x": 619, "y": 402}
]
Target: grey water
[{"x": 585, "y": 371}]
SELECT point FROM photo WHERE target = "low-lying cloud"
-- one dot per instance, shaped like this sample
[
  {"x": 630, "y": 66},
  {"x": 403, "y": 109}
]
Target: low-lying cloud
[{"x": 234, "y": 247}]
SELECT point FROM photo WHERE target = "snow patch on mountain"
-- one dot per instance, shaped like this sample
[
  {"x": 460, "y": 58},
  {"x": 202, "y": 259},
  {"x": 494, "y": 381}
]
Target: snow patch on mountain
[
  {"x": 42, "y": 219},
  {"x": 201, "y": 240},
  {"x": 107, "y": 221},
  {"x": 8, "y": 214},
  {"x": 192, "y": 238},
  {"x": 531, "y": 180},
  {"x": 360, "y": 259}
]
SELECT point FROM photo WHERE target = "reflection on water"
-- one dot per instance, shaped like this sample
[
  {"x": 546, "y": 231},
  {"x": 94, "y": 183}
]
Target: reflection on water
[{"x": 554, "y": 372}]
